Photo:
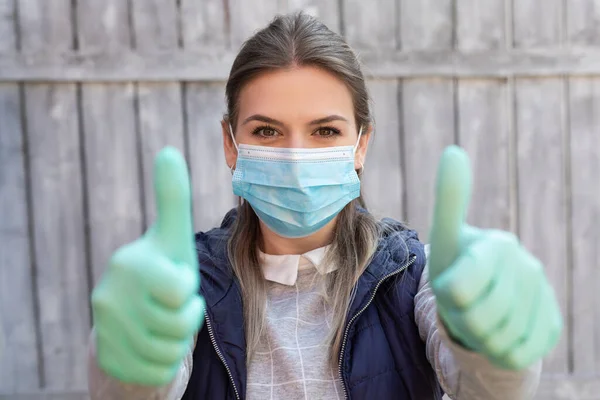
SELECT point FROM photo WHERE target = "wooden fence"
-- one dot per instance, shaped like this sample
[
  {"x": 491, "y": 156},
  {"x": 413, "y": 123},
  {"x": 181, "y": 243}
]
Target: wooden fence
[{"x": 91, "y": 90}]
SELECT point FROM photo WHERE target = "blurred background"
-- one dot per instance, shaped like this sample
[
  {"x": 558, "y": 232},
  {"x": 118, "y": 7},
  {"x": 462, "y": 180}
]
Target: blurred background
[{"x": 90, "y": 90}]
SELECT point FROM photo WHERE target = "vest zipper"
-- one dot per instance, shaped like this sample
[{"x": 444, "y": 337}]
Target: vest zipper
[
  {"x": 343, "y": 348},
  {"x": 214, "y": 343}
]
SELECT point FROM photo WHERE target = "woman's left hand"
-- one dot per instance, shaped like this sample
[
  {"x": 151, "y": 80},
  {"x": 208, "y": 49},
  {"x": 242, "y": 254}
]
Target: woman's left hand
[{"x": 492, "y": 294}]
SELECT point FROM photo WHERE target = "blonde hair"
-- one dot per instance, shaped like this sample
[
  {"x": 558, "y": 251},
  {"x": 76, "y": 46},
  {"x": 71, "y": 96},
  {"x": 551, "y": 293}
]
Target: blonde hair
[{"x": 300, "y": 40}]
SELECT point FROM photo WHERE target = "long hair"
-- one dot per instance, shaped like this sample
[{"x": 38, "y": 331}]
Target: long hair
[{"x": 292, "y": 41}]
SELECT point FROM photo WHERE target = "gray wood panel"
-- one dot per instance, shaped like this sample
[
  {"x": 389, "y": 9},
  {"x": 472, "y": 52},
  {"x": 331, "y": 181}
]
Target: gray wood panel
[
  {"x": 540, "y": 126},
  {"x": 206, "y": 64},
  {"x": 110, "y": 138},
  {"x": 584, "y": 105},
  {"x": 382, "y": 182},
  {"x": 542, "y": 192},
  {"x": 362, "y": 33},
  {"x": 428, "y": 107},
  {"x": 18, "y": 358},
  {"x": 57, "y": 202},
  {"x": 206, "y": 24},
  {"x": 584, "y": 100},
  {"x": 211, "y": 178},
  {"x": 483, "y": 117},
  {"x": 483, "y": 130},
  {"x": 159, "y": 112},
  {"x": 247, "y": 17}
]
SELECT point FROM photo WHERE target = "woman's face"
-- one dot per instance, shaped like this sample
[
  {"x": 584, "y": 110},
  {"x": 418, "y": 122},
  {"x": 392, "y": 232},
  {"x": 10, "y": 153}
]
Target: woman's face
[{"x": 304, "y": 107}]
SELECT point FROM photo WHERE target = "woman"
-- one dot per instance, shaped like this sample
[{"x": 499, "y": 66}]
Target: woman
[{"x": 303, "y": 294}]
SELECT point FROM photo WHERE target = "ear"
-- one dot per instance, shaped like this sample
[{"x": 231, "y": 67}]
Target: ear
[
  {"x": 228, "y": 145},
  {"x": 363, "y": 145}
]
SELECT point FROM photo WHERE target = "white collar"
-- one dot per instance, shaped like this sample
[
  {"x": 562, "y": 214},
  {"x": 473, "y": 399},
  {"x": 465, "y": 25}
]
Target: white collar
[{"x": 284, "y": 268}]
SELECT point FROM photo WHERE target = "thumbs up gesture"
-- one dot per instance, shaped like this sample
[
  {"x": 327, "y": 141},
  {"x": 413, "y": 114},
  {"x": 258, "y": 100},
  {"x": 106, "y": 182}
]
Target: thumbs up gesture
[
  {"x": 146, "y": 308},
  {"x": 492, "y": 294}
]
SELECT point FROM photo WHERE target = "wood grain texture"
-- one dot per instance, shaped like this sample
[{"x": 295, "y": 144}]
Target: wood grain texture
[
  {"x": 19, "y": 361},
  {"x": 537, "y": 22},
  {"x": 426, "y": 24},
  {"x": 110, "y": 139},
  {"x": 542, "y": 192},
  {"x": 483, "y": 131},
  {"x": 362, "y": 33},
  {"x": 584, "y": 103},
  {"x": 214, "y": 65},
  {"x": 428, "y": 107},
  {"x": 382, "y": 181},
  {"x": 483, "y": 118},
  {"x": 57, "y": 194},
  {"x": 57, "y": 202},
  {"x": 159, "y": 112},
  {"x": 205, "y": 24},
  {"x": 8, "y": 26},
  {"x": 211, "y": 177},
  {"x": 19, "y": 351}
]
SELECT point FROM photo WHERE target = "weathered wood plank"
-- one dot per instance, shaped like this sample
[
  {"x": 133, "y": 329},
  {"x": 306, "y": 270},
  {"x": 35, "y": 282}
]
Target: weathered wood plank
[
  {"x": 110, "y": 138},
  {"x": 57, "y": 202},
  {"x": 428, "y": 119},
  {"x": 200, "y": 65},
  {"x": 60, "y": 248},
  {"x": 582, "y": 22},
  {"x": 483, "y": 125},
  {"x": 160, "y": 113},
  {"x": 480, "y": 26},
  {"x": 19, "y": 358},
  {"x": 540, "y": 123},
  {"x": 426, "y": 24},
  {"x": 211, "y": 178},
  {"x": 8, "y": 21},
  {"x": 537, "y": 22},
  {"x": 542, "y": 195},
  {"x": 429, "y": 109},
  {"x": 483, "y": 132},
  {"x": 247, "y": 17},
  {"x": 206, "y": 24},
  {"x": 19, "y": 355},
  {"x": 326, "y": 10},
  {"x": 155, "y": 24},
  {"x": 361, "y": 31},
  {"x": 382, "y": 181},
  {"x": 584, "y": 105}
]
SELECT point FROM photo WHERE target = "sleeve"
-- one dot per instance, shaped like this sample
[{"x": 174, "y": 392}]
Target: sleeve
[
  {"x": 464, "y": 374},
  {"x": 104, "y": 387}
]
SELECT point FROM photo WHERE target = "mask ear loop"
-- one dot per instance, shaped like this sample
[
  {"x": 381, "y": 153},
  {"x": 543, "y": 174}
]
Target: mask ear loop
[
  {"x": 232, "y": 168},
  {"x": 362, "y": 165}
]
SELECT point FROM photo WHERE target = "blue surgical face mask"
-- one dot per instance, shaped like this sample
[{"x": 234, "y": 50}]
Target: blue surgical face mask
[{"x": 296, "y": 191}]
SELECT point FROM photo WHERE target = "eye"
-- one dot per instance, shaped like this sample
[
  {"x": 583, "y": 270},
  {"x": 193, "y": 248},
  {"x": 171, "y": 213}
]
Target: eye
[
  {"x": 327, "y": 132},
  {"x": 265, "y": 132}
]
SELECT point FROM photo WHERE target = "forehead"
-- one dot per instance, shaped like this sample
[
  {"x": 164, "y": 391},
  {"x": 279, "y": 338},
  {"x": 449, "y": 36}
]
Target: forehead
[{"x": 295, "y": 93}]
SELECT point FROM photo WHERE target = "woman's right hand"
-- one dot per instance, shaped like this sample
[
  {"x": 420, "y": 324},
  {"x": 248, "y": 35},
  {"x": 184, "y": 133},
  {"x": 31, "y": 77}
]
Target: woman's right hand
[{"x": 146, "y": 308}]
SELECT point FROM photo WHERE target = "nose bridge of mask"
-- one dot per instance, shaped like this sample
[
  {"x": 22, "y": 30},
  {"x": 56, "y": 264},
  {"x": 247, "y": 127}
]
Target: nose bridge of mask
[{"x": 238, "y": 149}]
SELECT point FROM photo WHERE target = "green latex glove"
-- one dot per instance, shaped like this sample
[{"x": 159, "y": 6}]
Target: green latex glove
[
  {"x": 146, "y": 308},
  {"x": 492, "y": 294}
]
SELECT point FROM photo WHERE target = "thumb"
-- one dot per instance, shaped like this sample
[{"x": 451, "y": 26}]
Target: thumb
[
  {"x": 452, "y": 195},
  {"x": 174, "y": 227}
]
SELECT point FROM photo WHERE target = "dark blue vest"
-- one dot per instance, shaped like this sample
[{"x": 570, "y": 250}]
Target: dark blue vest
[{"x": 383, "y": 356}]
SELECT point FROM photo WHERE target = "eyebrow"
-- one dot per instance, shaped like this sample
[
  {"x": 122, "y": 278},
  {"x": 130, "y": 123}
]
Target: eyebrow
[{"x": 265, "y": 119}]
